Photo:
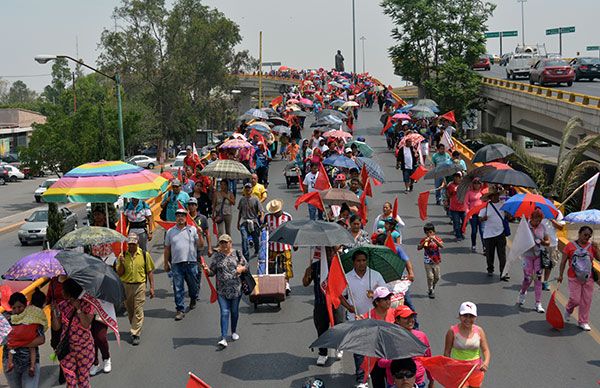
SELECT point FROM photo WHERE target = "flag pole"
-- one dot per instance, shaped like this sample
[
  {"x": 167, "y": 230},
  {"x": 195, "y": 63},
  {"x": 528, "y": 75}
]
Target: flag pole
[
  {"x": 467, "y": 376},
  {"x": 561, "y": 204}
]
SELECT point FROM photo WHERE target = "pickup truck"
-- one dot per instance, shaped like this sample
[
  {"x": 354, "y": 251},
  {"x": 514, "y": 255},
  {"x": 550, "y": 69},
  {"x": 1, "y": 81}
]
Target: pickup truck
[{"x": 519, "y": 65}]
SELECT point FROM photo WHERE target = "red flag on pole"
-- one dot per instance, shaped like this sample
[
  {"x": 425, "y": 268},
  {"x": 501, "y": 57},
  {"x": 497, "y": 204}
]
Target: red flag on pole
[
  {"x": 471, "y": 213},
  {"x": 166, "y": 225},
  {"x": 300, "y": 184},
  {"x": 419, "y": 173},
  {"x": 367, "y": 366},
  {"x": 451, "y": 373},
  {"x": 376, "y": 182},
  {"x": 336, "y": 281},
  {"x": 322, "y": 182},
  {"x": 422, "y": 202},
  {"x": 395, "y": 209},
  {"x": 179, "y": 175},
  {"x": 449, "y": 116},
  {"x": 213, "y": 291},
  {"x": 368, "y": 190},
  {"x": 313, "y": 198},
  {"x": 387, "y": 126},
  {"x": 389, "y": 242},
  {"x": 364, "y": 175},
  {"x": 362, "y": 209},
  {"x": 195, "y": 382},
  {"x": 120, "y": 247},
  {"x": 553, "y": 314},
  {"x": 276, "y": 101}
]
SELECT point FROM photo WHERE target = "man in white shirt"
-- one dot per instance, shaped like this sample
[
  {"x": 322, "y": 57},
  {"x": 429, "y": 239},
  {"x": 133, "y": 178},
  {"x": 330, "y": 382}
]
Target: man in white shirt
[
  {"x": 493, "y": 230},
  {"x": 309, "y": 182}
]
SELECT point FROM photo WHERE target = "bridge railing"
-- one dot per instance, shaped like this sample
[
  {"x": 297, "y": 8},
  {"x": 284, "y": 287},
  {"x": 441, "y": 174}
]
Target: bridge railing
[
  {"x": 578, "y": 99},
  {"x": 269, "y": 77}
]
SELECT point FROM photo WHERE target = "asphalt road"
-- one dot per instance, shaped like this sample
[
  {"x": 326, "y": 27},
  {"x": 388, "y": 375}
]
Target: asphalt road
[
  {"x": 272, "y": 351},
  {"x": 17, "y": 196},
  {"x": 590, "y": 88}
]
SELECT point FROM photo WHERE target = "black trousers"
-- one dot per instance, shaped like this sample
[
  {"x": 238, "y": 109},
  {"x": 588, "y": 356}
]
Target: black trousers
[
  {"x": 493, "y": 244},
  {"x": 321, "y": 321}
]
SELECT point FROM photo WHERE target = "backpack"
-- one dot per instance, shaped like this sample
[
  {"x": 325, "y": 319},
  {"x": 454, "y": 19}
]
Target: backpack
[{"x": 581, "y": 263}]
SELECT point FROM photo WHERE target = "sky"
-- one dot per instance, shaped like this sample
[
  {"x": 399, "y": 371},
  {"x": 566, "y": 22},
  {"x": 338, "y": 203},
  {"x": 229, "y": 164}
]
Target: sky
[{"x": 299, "y": 34}]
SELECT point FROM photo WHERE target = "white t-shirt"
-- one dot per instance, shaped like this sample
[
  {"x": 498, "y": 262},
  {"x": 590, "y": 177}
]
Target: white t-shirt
[
  {"x": 493, "y": 227},
  {"x": 309, "y": 181},
  {"x": 358, "y": 288}
]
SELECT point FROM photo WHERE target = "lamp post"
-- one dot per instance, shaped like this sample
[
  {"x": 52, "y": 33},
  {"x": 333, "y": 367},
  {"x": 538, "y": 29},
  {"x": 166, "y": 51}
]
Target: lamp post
[
  {"x": 522, "y": 20},
  {"x": 353, "y": 38},
  {"x": 362, "y": 38},
  {"x": 42, "y": 59}
]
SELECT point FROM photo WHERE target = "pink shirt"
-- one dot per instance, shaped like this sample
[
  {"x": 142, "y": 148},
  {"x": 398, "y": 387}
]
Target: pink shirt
[
  {"x": 420, "y": 376},
  {"x": 473, "y": 199}
]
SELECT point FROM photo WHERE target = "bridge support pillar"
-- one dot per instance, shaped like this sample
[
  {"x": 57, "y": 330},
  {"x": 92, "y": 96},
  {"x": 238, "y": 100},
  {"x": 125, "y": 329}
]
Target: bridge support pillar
[{"x": 245, "y": 102}]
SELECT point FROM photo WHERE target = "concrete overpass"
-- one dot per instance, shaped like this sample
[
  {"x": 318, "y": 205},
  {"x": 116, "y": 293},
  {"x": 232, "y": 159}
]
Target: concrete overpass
[{"x": 248, "y": 85}]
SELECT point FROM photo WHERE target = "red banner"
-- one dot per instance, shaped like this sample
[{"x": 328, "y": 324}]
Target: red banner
[
  {"x": 422, "y": 202},
  {"x": 213, "y": 291},
  {"x": 419, "y": 173},
  {"x": 553, "y": 315}
]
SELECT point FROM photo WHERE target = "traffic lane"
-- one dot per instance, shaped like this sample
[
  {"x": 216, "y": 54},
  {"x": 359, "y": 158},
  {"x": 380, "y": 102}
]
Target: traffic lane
[{"x": 18, "y": 196}]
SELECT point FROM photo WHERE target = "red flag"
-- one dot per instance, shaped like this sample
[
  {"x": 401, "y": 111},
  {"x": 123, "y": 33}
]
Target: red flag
[
  {"x": 336, "y": 281},
  {"x": 313, "y": 198},
  {"x": 368, "y": 190},
  {"x": 329, "y": 310},
  {"x": 166, "y": 225},
  {"x": 167, "y": 175},
  {"x": 553, "y": 314},
  {"x": 471, "y": 213},
  {"x": 179, "y": 175},
  {"x": 389, "y": 242},
  {"x": 395, "y": 208},
  {"x": 276, "y": 101},
  {"x": 449, "y": 116},
  {"x": 195, "y": 382},
  {"x": 376, "y": 182},
  {"x": 302, "y": 188},
  {"x": 120, "y": 247},
  {"x": 450, "y": 373},
  {"x": 387, "y": 126},
  {"x": 364, "y": 175},
  {"x": 362, "y": 209},
  {"x": 419, "y": 173},
  {"x": 367, "y": 366},
  {"x": 322, "y": 182},
  {"x": 213, "y": 291},
  {"x": 422, "y": 202},
  {"x": 254, "y": 132}
]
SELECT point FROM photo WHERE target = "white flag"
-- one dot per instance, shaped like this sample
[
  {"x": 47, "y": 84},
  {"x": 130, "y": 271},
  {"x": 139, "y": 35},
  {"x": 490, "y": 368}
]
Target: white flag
[
  {"x": 324, "y": 269},
  {"x": 588, "y": 191},
  {"x": 522, "y": 242},
  {"x": 447, "y": 141},
  {"x": 194, "y": 150}
]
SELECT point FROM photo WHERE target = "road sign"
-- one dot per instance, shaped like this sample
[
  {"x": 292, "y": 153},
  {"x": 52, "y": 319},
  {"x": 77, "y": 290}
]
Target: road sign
[
  {"x": 506, "y": 34},
  {"x": 561, "y": 30},
  {"x": 492, "y": 34},
  {"x": 271, "y": 63},
  {"x": 552, "y": 31},
  {"x": 565, "y": 30},
  {"x": 592, "y": 48}
]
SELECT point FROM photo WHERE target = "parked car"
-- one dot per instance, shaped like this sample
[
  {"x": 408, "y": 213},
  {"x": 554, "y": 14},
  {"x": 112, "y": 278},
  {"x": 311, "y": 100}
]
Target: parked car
[
  {"x": 541, "y": 143},
  {"x": 482, "y": 63},
  {"x": 142, "y": 161},
  {"x": 150, "y": 151},
  {"x": 35, "y": 226},
  {"x": 3, "y": 175},
  {"x": 586, "y": 67},
  {"x": 181, "y": 155},
  {"x": 519, "y": 65},
  {"x": 177, "y": 164},
  {"x": 14, "y": 173},
  {"x": 504, "y": 59},
  {"x": 551, "y": 71},
  {"x": 37, "y": 194},
  {"x": 528, "y": 143}
]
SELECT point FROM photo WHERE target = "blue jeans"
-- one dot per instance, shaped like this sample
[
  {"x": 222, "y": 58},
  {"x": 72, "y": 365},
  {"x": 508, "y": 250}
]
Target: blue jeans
[
  {"x": 23, "y": 380},
  {"x": 229, "y": 307},
  {"x": 314, "y": 213},
  {"x": 438, "y": 193},
  {"x": 476, "y": 225},
  {"x": 457, "y": 218},
  {"x": 255, "y": 237},
  {"x": 185, "y": 272}
]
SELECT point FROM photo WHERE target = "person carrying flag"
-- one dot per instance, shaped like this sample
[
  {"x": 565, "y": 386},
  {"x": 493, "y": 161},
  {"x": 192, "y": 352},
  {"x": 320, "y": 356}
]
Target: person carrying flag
[{"x": 191, "y": 159}]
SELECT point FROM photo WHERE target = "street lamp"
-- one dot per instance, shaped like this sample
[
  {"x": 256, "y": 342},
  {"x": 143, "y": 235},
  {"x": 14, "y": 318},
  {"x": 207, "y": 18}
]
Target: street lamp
[
  {"x": 353, "y": 38},
  {"x": 522, "y": 20},
  {"x": 362, "y": 38},
  {"x": 42, "y": 59}
]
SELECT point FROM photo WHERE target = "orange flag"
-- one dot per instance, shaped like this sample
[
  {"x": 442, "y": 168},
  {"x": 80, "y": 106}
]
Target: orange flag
[
  {"x": 195, "y": 382},
  {"x": 553, "y": 314},
  {"x": 450, "y": 373},
  {"x": 422, "y": 202},
  {"x": 395, "y": 208},
  {"x": 213, "y": 291},
  {"x": 419, "y": 173},
  {"x": 313, "y": 198},
  {"x": 322, "y": 182}
]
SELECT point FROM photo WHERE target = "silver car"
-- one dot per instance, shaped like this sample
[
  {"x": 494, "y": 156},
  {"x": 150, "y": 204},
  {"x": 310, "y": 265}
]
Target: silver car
[
  {"x": 35, "y": 227},
  {"x": 142, "y": 161}
]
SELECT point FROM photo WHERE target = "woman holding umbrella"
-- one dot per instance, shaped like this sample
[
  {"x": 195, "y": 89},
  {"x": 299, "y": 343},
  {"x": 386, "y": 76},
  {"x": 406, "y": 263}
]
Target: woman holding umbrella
[{"x": 74, "y": 317}]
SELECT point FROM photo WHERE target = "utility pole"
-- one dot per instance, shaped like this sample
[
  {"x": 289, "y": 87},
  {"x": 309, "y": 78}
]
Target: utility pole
[
  {"x": 362, "y": 38},
  {"x": 260, "y": 70},
  {"x": 353, "y": 38},
  {"x": 522, "y": 20}
]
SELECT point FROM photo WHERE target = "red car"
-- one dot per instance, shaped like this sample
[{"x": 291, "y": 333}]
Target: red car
[
  {"x": 550, "y": 70},
  {"x": 482, "y": 63}
]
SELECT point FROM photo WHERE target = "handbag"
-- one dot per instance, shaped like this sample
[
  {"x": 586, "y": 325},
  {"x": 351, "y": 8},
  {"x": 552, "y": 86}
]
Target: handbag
[
  {"x": 63, "y": 348},
  {"x": 246, "y": 278},
  {"x": 219, "y": 217},
  {"x": 163, "y": 211},
  {"x": 505, "y": 222},
  {"x": 545, "y": 261}
]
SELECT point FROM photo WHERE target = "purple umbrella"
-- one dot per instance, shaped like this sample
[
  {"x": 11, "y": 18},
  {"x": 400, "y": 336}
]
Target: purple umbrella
[{"x": 37, "y": 265}]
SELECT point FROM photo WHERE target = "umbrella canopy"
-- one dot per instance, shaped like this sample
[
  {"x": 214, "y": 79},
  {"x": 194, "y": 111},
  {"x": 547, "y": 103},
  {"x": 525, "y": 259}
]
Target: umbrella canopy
[
  {"x": 339, "y": 196},
  {"x": 89, "y": 235},
  {"x": 338, "y": 134},
  {"x": 349, "y": 104},
  {"x": 337, "y": 103},
  {"x": 524, "y": 204},
  {"x": 363, "y": 147},
  {"x": 379, "y": 258},
  {"x": 299, "y": 113},
  {"x": 308, "y": 233},
  {"x": 257, "y": 113},
  {"x": 226, "y": 169},
  {"x": 422, "y": 112},
  {"x": 306, "y": 101},
  {"x": 492, "y": 152},
  {"x": 235, "y": 143},
  {"x": 292, "y": 101},
  {"x": 443, "y": 170},
  {"x": 341, "y": 161},
  {"x": 373, "y": 338},
  {"x": 277, "y": 121},
  {"x": 282, "y": 129},
  {"x": 401, "y": 116},
  {"x": 427, "y": 102},
  {"x": 330, "y": 119},
  {"x": 509, "y": 177},
  {"x": 373, "y": 168},
  {"x": 95, "y": 276},
  {"x": 415, "y": 138},
  {"x": 105, "y": 181},
  {"x": 590, "y": 217},
  {"x": 37, "y": 265},
  {"x": 332, "y": 112}
]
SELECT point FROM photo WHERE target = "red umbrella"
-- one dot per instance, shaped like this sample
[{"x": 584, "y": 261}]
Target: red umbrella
[
  {"x": 414, "y": 137},
  {"x": 499, "y": 166}
]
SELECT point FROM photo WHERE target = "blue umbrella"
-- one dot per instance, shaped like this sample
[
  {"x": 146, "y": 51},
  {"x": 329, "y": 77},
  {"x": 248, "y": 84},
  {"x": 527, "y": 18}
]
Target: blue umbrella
[
  {"x": 373, "y": 168},
  {"x": 524, "y": 204},
  {"x": 405, "y": 108},
  {"x": 340, "y": 161},
  {"x": 591, "y": 217}
]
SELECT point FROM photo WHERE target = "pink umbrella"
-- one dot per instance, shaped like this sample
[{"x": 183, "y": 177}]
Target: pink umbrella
[
  {"x": 292, "y": 101},
  {"x": 236, "y": 143},
  {"x": 338, "y": 134},
  {"x": 306, "y": 101},
  {"x": 414, "y": 137},
  {"x": 401, "y": 116}
]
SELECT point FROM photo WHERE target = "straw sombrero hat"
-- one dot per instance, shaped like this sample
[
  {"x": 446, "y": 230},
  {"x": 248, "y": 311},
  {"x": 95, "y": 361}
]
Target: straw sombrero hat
[{"x": 274, "y": 206}]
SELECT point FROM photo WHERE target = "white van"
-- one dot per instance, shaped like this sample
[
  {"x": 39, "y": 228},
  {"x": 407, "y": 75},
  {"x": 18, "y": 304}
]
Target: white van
[{"x": 519, "y": 65}]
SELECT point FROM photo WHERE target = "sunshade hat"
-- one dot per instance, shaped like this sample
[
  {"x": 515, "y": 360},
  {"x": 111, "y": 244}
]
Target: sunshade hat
[
  {"x": 274, "y": 206},
  {"x": 492, "y": 190}
]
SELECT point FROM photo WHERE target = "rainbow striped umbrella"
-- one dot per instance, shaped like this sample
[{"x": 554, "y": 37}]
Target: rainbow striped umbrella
[{"x": 105, "y": 181}]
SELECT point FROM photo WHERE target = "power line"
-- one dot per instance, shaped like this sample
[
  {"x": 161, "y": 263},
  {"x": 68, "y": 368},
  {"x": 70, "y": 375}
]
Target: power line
[{"x": 25, "y": 76}]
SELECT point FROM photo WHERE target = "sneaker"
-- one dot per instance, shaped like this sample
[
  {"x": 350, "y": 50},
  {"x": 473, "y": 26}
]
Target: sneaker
[
  {"x": 585, "y": 327},
  {"x": 321, "y": 360},
  {"x": 235, "y": 337},
  {"x": 539, "y": 308},
  {"x": 107, "y": 366},
  {"x": 505, "y": 278},
  {"x": 192, "y": 304},
  {"x": 431, "y": 294},
  {"x": 96, "y": 369},
  {"x": 339, "y": 354},
  {"x": 222, "y": 343},
  {"x": 522, "y": 299},
  {"x": 545, "y": 286},
  {"x": 362, "y": 385},
  {"x": 567, "y": 316},
  {"x": 474, "y": 249},
  {"x": 179, "y": 316},
  {"x": 135, "y": 340},
  {"x": 288, "y": 290}
]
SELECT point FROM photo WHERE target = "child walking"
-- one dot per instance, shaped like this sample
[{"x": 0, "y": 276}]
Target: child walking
[{"x": 431, "y": 245}]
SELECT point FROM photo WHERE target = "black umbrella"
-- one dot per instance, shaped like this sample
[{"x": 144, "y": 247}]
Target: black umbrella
[
  {"x": 373, "y": 338},
  {"x": 95, "y": 276},
  {"x": 509, "y": 177},
  {"x": 492, "y": 152},
  {"x": 332, "y": 112},
  {"x": 277, "y": 121},
  {"x": 308, "y": 233},
  {"x": 443, "y": 170}
]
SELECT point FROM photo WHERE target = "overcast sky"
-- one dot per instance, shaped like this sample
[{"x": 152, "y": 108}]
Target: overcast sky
[{"x": 306, "y": 37}]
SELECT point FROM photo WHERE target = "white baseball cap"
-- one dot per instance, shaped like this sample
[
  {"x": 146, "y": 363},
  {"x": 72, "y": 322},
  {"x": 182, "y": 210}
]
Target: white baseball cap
[{"x": 467, "y": 308}]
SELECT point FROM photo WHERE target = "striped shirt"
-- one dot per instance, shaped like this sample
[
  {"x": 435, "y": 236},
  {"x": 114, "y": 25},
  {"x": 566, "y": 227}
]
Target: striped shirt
[{"x": 272, "y": 224}]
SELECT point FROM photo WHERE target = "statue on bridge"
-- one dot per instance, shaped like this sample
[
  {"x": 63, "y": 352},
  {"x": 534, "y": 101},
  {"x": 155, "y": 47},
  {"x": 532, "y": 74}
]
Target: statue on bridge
[{"x": 339, "y": 61}]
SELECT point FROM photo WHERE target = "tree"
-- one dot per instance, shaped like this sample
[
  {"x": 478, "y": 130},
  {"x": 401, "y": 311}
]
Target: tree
[
  {"x": 243, "y": 62},
  {"x": 20, "y": 93},
  {"x": 4, "y": 85},
  {"x": 55, "y": 224},
  {"x": 61, "y": 76}
]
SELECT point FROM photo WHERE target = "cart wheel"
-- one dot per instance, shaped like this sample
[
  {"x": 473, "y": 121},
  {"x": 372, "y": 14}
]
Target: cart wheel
[
  {"x": 279, "y": 305},
  {"x": 255, "y": 306}
]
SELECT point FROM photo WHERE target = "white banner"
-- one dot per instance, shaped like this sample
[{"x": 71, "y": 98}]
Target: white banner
[{"x": 588, "y": 191}]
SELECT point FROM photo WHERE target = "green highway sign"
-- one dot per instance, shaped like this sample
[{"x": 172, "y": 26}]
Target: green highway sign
[
  {"x": 552, "y": 31},
  {"x": 565, "y": 30},
  {"x": 506, "y": 34},
  {"x": 561, "y": 30},
  {"x": 592, "y": 48},
  {"x": 492, "y": 34}
]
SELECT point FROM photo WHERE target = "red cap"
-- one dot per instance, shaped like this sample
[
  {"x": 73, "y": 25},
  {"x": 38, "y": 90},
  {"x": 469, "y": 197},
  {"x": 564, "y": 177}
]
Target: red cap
[{"x": 403, "y": 311}]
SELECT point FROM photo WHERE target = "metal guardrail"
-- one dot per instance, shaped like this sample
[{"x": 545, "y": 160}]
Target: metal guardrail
[
  {"x": 268, "y": 77},
  {"x": 468, "y": 154},
  {"x": 577, "y": 99}
]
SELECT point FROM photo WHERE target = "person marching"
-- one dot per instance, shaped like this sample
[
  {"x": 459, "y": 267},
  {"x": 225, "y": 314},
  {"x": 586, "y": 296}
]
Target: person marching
[
  {"x": 139, "y": 221},
  {"x": 431, "y": 245},
  {"x": 276, "y": 217},
  {"x": 135, "y": 267}
]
